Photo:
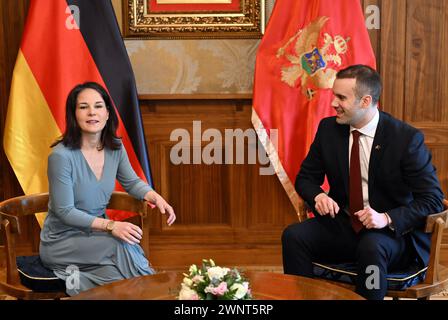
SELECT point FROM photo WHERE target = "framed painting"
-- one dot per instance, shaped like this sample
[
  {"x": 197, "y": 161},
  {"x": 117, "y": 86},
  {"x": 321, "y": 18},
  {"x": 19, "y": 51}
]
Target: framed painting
[{"x": 183, "y": 19}]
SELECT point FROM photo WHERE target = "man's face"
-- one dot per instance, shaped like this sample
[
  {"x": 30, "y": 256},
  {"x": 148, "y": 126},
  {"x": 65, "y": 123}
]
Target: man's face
[{"x": 349, "y": 109}]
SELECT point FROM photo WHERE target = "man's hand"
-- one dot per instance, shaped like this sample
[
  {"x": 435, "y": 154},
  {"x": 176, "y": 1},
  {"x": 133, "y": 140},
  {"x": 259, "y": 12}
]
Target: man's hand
[
  {"x": 325, "y": 205},
  {"x": 372, "y": 219}
]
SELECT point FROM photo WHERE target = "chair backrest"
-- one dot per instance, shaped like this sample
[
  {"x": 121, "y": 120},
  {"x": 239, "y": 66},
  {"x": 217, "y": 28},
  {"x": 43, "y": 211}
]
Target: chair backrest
[
  {"x": 12, "y": 210},
  {"x": 436, "y": 279},
  {"x": 435, "y": 224}
]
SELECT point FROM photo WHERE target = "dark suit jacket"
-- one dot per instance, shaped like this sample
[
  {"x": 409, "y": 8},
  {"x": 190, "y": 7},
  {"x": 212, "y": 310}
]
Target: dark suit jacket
[{"x": 402, "y": 179}]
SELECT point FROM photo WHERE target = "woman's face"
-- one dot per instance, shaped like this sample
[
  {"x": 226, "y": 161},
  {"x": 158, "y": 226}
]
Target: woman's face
[{"x": 91, "y": 112}]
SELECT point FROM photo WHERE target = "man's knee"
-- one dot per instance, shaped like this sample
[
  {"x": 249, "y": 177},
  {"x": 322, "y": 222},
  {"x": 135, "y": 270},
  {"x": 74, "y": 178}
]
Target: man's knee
[
  {"x": 296, "y": 233},
  {"x": 372, "y": 248},
  {"x": 290, "y": 234}
]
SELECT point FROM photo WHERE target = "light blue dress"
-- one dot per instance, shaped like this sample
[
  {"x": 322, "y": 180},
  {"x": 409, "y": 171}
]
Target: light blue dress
[{"x": 77, "y": 197}]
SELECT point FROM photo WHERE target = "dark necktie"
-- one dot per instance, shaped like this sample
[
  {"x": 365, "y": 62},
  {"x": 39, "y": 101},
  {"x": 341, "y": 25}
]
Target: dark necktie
[{"x": 355, "y": 195}]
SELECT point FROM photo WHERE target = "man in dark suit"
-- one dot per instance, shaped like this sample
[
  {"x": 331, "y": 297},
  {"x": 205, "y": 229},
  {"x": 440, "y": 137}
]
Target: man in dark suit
[{"x": 382, "y": 187}]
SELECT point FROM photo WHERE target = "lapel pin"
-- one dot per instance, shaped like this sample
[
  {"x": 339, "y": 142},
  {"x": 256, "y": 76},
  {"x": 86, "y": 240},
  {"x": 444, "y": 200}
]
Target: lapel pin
[{"x": 377, "y": 147}]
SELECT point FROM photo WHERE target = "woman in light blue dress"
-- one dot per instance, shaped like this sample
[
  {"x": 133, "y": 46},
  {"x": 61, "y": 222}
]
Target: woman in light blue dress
[{"x": 78, "y": 241}]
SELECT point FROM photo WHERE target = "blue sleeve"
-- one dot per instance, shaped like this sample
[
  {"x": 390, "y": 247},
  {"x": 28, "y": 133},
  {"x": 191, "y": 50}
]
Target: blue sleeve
[
  {"x": 61, "y": 193},
  {"x": 311, "y": 174},
  {"x": 127, "y": 177},
  {"x": 420, "y": 175}
]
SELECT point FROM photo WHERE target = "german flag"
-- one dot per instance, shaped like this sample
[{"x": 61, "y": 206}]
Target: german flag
[{"x": 67, "y": 42}]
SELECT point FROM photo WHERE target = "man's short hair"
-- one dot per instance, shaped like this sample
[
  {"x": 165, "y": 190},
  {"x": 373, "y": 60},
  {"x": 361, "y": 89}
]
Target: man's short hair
[{"x": 368, "y": 81}]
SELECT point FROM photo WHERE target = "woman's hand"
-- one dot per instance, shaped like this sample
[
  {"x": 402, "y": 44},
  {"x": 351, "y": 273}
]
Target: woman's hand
[
  {"x": 128, "y": 232},
  {"x": 156, "y": 199}
]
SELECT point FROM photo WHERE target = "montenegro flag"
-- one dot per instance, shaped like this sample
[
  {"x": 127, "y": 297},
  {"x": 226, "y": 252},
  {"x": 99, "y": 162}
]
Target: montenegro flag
[
  {"x": 67, "y": 42},
  {"x": 305, "y": 44}
]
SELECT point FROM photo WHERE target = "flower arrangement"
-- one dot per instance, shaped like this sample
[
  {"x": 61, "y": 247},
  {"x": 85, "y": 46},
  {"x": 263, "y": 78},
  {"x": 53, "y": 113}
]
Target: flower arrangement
[{"x": 212, "y": 282}]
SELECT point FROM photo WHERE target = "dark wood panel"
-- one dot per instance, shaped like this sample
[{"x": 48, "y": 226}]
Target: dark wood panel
[
  {"x": 263, "y": 257},
  {"x": 393, "y": 28},
  {"x": 190, "y": 184},
  {"x": 440, "y": 161},
  {"x": 436, "y": 134},
  {"x": 426, "y": 63},
  {"x": 270, "y": 205},
  {"x": 374, "y": 34},
  {"x": 426, "y": 80},
  {"x": 12, "y": 20},
  {"x": 220, "y": 206}
]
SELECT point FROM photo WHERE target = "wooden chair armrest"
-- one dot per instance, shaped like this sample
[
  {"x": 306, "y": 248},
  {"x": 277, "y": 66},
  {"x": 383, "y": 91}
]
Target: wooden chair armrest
[
  {"x": 25, "y": 205},
  {"x": 9, "y": 241},
  {"x": 436, "y": 223},
  {"x": 445, "y": 203},
  {"x": 13, "y": 222},
  {"x": 125, "y": 202},
  {"x": 432, "y": 218}
]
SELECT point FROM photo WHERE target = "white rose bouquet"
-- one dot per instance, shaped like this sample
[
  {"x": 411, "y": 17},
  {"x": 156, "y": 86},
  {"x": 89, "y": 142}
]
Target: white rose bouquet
[{"x": 212, "y": 282}]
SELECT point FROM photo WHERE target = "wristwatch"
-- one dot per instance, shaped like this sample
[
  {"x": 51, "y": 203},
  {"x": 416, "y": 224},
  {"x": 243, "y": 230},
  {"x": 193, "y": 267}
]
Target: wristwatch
[{"x": 110, "y": 226}]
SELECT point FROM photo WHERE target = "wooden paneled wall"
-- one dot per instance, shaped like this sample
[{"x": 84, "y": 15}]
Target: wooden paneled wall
[
  {"x": 410, "y": 49},
  {"x": 230, "y": 212},
  {"x": 414, "y": 67},
  {"x": 12, "y": 19},
  {"x": 226, "y": 212}
]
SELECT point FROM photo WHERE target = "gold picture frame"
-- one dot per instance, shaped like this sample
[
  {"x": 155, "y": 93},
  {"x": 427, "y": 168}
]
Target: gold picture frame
[{"x": 189, "y": 19}]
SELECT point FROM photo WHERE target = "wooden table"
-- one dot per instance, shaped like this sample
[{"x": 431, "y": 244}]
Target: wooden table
[{"x": 264, "y": 286}]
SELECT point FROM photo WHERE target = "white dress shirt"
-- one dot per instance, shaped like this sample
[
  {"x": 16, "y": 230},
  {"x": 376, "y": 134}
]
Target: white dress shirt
[{"x": 365, "y": 147}]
